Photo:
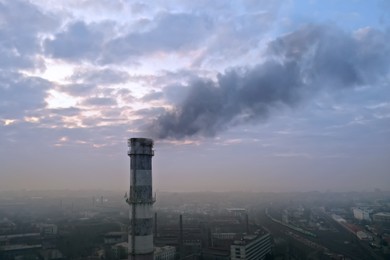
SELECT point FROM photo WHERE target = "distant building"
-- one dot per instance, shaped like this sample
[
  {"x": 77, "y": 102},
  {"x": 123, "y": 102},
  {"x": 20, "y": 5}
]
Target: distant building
[
  {"x": 251, "y": 247},
  {"x": 285, "y": 218},
  {"x": 120, "y": 250},
  {"x": 114, "y": 238},
  {"x": 51, "y": 254},
  {"x": 362, "y": 235},
  {"x": 338, "y": 218},
  {"x": 26, "y": 238},
  {"x": 6, "y": 225},
  {"x": 227, "y": 235},
  {"x": 18, "y": 251},
  {"x": 215, "y": 254},
  {"x": 192, "y": 245},
  {"x": 362, "y": 213},
  {"x": 382, "y": 218},
  {"x": 48, "y": 229},
  {"x": 164, "y": 253},
  {"x": 237, "y": 211}
]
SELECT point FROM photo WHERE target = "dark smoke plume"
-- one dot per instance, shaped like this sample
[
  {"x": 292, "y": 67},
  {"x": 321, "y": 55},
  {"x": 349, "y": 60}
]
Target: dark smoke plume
[{"x": 296, "y": 66}]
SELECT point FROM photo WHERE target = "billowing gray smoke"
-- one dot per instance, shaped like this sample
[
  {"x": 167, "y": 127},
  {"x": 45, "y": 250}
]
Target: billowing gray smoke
[{"x": 296, "y": 66}]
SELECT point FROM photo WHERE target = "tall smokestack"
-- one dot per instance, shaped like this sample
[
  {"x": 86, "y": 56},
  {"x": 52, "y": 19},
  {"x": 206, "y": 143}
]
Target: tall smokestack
[
  {"x": 155, "y": 224},
  {"x": 181, "y": 238},
  {"x": 247, "y": 223},
  {"x": 141, "y": 199}
]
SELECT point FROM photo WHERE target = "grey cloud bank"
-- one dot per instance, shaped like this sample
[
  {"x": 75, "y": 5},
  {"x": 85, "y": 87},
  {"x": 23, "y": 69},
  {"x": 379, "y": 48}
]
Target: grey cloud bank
[
  {"x": 100, "y": 43},
  {"x": 21, "y": 94},
  {"x": 19, "y": 37}
]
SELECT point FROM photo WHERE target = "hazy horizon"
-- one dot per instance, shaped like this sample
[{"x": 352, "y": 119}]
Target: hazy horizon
[{"x": 269, "y": 96}]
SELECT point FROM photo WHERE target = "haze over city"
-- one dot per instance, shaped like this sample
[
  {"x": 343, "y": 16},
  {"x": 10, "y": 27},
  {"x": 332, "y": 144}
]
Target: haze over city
[{"x": 255, "y": 95}]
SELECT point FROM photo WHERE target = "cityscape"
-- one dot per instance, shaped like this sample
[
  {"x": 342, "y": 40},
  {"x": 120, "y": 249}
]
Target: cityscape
[
  {"x": 93, "y": 225},
  {"x": 194, "y": 130},
  {"x": 237, "y": 225}
]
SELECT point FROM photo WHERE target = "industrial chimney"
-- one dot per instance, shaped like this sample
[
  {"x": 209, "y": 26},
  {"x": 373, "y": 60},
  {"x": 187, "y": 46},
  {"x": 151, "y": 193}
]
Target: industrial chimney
[{"x": 141, "y": 199}]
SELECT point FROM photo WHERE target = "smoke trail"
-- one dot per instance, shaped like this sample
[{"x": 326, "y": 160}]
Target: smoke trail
[{"x": 297, "y": 65}]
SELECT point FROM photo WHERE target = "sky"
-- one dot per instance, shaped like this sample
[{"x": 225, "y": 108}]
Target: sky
[{"x": 252, "y": 95}]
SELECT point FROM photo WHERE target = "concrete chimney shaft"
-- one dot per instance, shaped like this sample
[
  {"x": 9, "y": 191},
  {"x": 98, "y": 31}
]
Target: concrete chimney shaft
[{"x": 141, "y": 199}]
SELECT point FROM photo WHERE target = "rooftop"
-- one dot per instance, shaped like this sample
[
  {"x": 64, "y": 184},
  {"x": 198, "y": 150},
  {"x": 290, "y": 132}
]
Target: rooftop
[
  {"x": 385, "y": 214},
  {"x": 20, "y": 235},
  {"x": 163, "y": 248},
  {"x": 249, "y": 238},
  {"x": 114, "y": 234},
  {"x": 19, "y": 247}
]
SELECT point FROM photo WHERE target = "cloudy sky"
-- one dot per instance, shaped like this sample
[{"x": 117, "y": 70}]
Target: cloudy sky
[{"x": 255, "y": 95}]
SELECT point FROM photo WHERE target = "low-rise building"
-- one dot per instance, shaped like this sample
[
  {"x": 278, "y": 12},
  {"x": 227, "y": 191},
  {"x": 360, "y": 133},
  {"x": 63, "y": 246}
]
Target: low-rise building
[
  {"x": 362, "y": 213},
  {"x": 164, "y": 253},
  {"x": 114, "y": 238},
  {"x": 362, "y": 235},
  {"x": 120, "y": 250},
  {"x": 382, "y": 217},
  {"x": 48, "y": 229},
  {"x": 251, "y": 247}
]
